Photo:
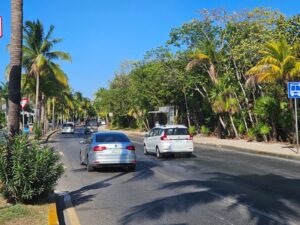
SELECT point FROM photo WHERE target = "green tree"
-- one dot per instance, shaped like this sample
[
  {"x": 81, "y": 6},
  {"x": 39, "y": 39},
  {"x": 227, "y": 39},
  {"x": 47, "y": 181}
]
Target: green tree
[
  {"x": 15, "y": 67},
  {"x": 278, "y": 64},
  {"x": 38, "y": 56}
]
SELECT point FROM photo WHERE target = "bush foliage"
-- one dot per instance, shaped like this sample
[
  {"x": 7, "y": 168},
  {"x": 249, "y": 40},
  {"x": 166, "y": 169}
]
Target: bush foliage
[{"x": 28, "y": 170}]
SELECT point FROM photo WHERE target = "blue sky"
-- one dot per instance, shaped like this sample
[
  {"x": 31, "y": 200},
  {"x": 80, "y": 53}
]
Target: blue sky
[{"x": 101, "y": 34}]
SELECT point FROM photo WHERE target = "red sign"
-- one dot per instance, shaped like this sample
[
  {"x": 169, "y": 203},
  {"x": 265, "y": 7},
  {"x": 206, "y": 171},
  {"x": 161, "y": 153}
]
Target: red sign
[
  {"x": 1, "y": 34},
  {"x": 24, "y": 102}
]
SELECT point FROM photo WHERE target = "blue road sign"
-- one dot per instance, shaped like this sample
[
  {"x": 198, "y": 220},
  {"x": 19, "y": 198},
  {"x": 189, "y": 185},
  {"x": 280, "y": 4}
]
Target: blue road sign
[{"x": 294, "y": 89}]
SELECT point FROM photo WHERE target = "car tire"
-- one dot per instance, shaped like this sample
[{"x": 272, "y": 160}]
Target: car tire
[
  {"x": 145, "y": 150},
  {"x": 188, "y": 155},
  {"x": 158, "y": 153},
  {"x": 89, "y": 167}
]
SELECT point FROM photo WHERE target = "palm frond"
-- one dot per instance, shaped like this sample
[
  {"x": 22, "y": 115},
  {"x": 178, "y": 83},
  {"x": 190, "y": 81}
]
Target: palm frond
[
  {"x": 59, "y": 75},
  {"x": 59, "y": 55}
]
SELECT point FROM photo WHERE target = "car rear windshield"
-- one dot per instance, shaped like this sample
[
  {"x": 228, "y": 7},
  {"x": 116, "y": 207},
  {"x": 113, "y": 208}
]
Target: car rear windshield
[
  {"x": 111, "y": 138},
  {"x": 177, "y": 131},
  {"x": 67, "y": 125}
]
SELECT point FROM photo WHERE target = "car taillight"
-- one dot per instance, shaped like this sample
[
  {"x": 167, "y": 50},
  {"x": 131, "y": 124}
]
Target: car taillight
[
  {"x": 130, "y": 147},
  {"x": 99, "y": 148},
  {"x": 164, "y": 137},
  {"x": 191, "y": 137}
]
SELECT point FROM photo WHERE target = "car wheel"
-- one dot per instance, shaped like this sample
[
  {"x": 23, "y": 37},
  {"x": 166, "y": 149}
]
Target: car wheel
[
  {"x": 158, "y": 154},
  {"x": 89, "y": 167},
  {"x": 145, "y": 150},
  {"x": 188, "y": 155}
]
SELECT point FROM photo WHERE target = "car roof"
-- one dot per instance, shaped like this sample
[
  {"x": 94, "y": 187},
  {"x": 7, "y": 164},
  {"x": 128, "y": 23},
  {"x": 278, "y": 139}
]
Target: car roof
[
  {"x": 170, "y": 126},
  {"x": 108, "y": 132}
]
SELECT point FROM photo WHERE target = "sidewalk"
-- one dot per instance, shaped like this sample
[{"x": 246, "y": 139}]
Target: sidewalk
[{"x": 282, "y": 150}]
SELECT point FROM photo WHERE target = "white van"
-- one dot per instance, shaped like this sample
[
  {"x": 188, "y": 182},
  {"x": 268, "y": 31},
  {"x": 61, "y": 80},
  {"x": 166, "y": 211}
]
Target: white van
[{"x": 168, "y": 139}]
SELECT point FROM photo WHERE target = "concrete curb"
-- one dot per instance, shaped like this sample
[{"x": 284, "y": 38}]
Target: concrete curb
[
  {"x": 52, "y": 211},
  {"x": 233, "y": 148},
  {"x": 49, "y": 135}
]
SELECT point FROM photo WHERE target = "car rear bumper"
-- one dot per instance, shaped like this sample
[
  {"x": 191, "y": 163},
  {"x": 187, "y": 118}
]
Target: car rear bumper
[
  {"x": 99, "y": 161},
  {"x": 173, "y": 148},
  {"x": 102, "y": 165}
]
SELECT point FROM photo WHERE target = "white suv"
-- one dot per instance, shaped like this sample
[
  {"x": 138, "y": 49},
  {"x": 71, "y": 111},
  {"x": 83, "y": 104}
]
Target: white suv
[{"x": 168, "y": 139}]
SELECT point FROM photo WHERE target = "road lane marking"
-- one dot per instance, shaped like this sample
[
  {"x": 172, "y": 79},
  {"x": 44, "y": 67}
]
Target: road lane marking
[{"x": 70, "y": 210}]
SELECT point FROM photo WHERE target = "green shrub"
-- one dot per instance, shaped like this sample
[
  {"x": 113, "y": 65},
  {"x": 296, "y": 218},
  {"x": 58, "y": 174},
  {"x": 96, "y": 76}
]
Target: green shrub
[
  {"x": 192, "y": 130},
  {"x": 241, "y": 128},
  {"x": 264, "y": 129},
  {"x": 37, "y": 129},
  {"x": 204, "y": 130},
  {"x": 251, "y": 134},
  {"x": 27, "y": 170}
]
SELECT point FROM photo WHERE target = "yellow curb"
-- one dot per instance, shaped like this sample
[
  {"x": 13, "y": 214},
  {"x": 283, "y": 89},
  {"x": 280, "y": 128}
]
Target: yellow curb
[{"x": 52, "y": 215}]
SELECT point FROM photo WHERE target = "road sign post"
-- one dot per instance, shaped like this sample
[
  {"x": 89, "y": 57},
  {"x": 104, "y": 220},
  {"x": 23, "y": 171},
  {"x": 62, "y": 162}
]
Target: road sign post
[{"x": 294, "y": 92}]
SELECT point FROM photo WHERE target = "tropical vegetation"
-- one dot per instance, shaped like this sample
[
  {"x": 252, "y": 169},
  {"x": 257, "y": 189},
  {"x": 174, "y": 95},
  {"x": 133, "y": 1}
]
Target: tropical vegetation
[{"x": 225, "y": 74}]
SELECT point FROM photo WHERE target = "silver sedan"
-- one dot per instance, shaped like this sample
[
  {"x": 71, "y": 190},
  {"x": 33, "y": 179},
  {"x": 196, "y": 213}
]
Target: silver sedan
[{"x": 107, "y": 149}]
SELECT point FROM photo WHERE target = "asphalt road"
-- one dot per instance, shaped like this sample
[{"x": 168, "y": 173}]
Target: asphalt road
[{"x": 213, "y": 187}]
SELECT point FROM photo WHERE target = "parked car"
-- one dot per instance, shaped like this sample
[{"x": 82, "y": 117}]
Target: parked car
[
  {"x": 168, "y": 139},
  {"x": 67, "y": 128},
  {"x": 108, "y": 149}
]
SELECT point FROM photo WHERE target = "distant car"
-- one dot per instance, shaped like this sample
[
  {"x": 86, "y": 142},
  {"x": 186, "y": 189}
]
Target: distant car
[
  {"x": 168, "y": 139},
  {"x": 104, "y": 149},
  {"x": 67, "y": 128},
  {"x": 91, "y": 127},
  {"x": 103, "y": 122}
]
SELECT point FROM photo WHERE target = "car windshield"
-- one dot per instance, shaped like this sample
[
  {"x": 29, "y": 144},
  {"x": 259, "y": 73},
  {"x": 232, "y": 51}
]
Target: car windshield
[
  {"x": 67, "y": 125},
  {"x": 111, "y": 138},
  {"x": 177, "y": 131}
]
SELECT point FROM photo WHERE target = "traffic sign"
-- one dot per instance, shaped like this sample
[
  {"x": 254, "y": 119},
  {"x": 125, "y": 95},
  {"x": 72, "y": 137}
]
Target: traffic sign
[
  {"x": 24, "y": 102},
  {"x": 294, "y": 89},
  {"x": 1, "y": 29}
]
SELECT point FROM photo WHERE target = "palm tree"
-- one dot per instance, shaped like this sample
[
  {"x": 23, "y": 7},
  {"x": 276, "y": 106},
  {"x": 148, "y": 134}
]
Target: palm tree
[
  {"x": 38, "y": 57},
  {"x": 208, "y": 60},
  {"x": 15, "y": 67},
  {"x": 278, "y": 64}
]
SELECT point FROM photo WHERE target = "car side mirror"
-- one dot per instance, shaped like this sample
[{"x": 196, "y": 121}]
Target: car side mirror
[
  {"x": 82, "y": 142},
  {"x": 146, "y": 135}
]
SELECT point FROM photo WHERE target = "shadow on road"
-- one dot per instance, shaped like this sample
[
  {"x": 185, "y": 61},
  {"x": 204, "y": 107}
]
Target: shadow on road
[{"x": 269, "y": 199}]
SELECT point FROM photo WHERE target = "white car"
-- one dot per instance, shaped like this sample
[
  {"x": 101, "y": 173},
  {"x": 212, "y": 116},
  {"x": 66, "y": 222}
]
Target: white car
[
  {"x": 67, "y": 128},
  {"x": 168, "y": 139}
]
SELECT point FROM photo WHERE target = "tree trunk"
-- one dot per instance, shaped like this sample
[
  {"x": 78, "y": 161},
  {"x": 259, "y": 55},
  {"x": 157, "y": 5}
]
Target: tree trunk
[
  {"x": 53, "y": 113},
  {"x": 233, "y": 126},
  {"x": 14, "y": 96},
  {"x": 187, "y": 109},
  {"x": 37, "y": 91}
]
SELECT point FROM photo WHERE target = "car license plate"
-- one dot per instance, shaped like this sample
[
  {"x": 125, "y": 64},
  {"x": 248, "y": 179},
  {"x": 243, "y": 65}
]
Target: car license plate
[{"x": 116, "y": 151}]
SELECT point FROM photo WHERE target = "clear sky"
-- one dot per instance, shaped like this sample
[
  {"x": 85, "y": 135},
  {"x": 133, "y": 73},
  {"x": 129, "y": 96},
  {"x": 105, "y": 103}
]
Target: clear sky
[{"x": 101, "y": 34}]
